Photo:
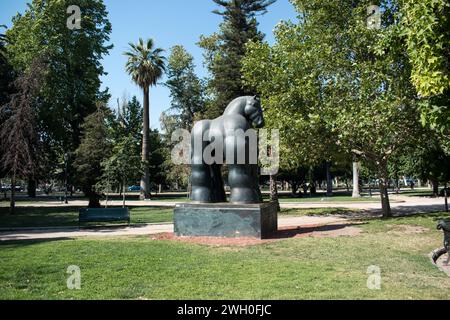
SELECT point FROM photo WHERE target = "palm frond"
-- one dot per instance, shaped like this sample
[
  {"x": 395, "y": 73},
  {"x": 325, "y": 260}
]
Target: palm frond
[{"x": 145, "y": 63}]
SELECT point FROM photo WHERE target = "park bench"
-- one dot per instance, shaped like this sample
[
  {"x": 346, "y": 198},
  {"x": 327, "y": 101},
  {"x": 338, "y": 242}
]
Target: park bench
[{"x": 103, "y": 215}]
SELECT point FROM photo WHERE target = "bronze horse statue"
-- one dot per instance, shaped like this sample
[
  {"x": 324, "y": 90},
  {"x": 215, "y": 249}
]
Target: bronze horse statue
[{"x": 207, "y": 185}]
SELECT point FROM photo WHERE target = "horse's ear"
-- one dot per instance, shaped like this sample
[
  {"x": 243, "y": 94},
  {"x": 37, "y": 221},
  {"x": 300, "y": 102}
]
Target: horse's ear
[{"x": 256, "y": 97}]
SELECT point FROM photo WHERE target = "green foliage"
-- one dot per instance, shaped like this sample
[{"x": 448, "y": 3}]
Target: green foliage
[
  {"x": 186, "y": 89},
  {"x": 426, "y": 160},
  {"x": 95, "y": 147},
  {"x": 332, "y": 77},
  {"x": 71, "y": 87},
  {"x": 176, "y": 175},
  {"x": 145, "y": 63},
  {"x": 224, "y": 51},
  {"x": 124, "y": 165},
  {"x": 426, "y": 29},
  {"x": 158, "y": 157}
]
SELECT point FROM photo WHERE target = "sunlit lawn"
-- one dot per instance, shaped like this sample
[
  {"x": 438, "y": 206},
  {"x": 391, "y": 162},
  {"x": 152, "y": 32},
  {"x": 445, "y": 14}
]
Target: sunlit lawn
[
  {"x": 296, "y": 268},
  {"x": 68, "y": 216},
  {"x": 28, "y": 217}
]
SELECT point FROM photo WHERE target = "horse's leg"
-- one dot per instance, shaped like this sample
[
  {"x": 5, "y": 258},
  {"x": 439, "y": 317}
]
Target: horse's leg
[
  {"x": 201, "y": 173},
  {"x": 242, "y": 178},
  {"x": 217, "y": 182}
]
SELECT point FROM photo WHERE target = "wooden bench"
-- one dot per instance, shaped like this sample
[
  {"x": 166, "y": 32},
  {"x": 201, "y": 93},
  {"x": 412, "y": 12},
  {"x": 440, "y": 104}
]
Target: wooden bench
[{"x": 103, "y": 215}]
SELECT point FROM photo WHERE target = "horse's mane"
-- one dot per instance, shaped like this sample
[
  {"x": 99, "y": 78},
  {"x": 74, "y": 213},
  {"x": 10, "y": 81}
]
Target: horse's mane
[{"x": 237, "y": 106}]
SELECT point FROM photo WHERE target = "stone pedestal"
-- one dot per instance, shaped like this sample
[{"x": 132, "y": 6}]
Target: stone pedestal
[{"x": 225, "y": 220}]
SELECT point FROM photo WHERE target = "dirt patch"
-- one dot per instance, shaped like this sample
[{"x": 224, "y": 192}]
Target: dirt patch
[
  {"x": 315, "y": 231},
  {"x": 212, "y": 241},
  {"x": 407, "y": 229}
]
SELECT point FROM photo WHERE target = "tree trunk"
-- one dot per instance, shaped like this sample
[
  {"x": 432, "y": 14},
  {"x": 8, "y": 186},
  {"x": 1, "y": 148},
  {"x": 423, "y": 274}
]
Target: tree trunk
[
  {"x": 356, "y": 193},
  {"x": 312, "y": 189},
  {"x": 435, "y": 185},
  {"x": 329, "y": 179},
  {"x": 384, "y": 185},
  {"x": 446, "y": 197},
  {"x": 94, "y": 200},
  {"x": 294, "y": 187},
  {"x": 385, "y": 205},
  {"x": 31, "y": 188},
  {"x": 145, "y": 180},
  {"x": 12, "y": 203},
  {"x": 123, "y": 190},
  {"x": 274, "y": 191}
]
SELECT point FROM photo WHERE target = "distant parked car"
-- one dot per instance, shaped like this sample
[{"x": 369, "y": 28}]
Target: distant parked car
[
  {"x": 134, "y": 188},
  {"x": 8, "y": 188}
]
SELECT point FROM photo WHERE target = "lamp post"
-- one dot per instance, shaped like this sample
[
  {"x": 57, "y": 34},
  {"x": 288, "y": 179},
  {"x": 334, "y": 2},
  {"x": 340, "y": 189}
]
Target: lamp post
[{"x": 66, "y": 158}]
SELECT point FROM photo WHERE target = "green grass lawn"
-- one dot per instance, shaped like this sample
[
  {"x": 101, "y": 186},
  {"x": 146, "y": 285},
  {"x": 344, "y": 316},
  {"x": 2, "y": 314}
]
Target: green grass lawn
[
  {"x": 29, "y": 217},
  {"x": 337, "y": 198},
  {"x": 68, "y": 216},
  {"x": 297, "y": 212},
  {"x": 296, "y": 268},
  {"x": 417, "y": 193}
]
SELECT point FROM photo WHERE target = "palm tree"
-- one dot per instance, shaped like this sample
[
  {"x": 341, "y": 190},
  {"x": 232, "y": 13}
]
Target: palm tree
[{"x": 146, "y": 66}]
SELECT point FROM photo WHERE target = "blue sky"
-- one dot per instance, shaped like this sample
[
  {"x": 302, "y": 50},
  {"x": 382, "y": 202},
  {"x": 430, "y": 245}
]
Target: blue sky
[{"x": 169, "y": 23}]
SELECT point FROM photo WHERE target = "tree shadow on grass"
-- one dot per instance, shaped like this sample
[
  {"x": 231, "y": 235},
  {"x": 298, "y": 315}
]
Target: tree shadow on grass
[
  {"x": 12, "y": 244},
  {"x": 425, "y": 210},
  {"x": 294, "y": 232},
  {"x": 28, "y": 217}
]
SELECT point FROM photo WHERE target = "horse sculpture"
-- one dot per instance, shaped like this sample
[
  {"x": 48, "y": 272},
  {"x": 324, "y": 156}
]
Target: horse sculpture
[{"x": 207, "y": 185}]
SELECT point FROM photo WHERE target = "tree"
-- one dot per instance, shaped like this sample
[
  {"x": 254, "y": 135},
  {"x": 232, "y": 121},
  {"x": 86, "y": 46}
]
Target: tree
[
  {"x": 124, "y": 165},
  {"x": 186, "y": 89},
  {"x": 95, "y": 147},
  {"x": 427, "y": 161},
  {"x": 146, "y": 66},
  {"x": 426, "y": 28},
  {"x": 225, "y": 50},
  {"x": 71, "y": 86},
  {"x": 19, "y": 132},
  {"x": 176, "y": 175},
  {"x": 332, "y": 76},
  {"x": 2, "y": 44},
  {"x": 157, "y": 159},
  {"x": 6, "y": 73}
]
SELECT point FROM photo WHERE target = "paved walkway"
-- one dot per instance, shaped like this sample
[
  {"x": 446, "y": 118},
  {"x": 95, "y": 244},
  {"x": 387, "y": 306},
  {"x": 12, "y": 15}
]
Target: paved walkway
[
  {"x": 400, "y": 204},
  {"x": 139, "y": 230}
]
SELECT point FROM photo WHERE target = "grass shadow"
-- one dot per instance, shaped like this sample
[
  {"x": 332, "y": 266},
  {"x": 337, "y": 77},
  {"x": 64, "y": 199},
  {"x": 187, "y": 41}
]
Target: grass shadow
[{"x": 292, "y": 232}]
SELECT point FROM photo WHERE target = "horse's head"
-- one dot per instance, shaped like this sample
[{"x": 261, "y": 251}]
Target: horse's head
[{"x": 253, "y": 111}]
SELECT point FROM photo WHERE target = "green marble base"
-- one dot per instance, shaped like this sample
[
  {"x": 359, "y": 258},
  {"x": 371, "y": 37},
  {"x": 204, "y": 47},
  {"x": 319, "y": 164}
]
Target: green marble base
[{"x": 226, "y": 220}]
